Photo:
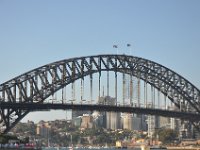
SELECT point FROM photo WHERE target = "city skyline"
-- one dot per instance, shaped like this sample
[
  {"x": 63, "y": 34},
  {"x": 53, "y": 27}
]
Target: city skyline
[{"x": 35, "y": 33}]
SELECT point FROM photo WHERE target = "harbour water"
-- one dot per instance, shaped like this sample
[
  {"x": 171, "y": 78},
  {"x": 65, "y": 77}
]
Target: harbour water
[
  {"x": 113, "y": 148},
  {"x": 92, "y": 148}
]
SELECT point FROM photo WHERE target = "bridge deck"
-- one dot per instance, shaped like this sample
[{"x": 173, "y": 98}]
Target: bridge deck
[{"x": 195, "y": 117}]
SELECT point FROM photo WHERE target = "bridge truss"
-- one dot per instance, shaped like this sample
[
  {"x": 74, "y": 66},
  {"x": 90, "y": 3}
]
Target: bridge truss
[{"x": 35, "y": 86}]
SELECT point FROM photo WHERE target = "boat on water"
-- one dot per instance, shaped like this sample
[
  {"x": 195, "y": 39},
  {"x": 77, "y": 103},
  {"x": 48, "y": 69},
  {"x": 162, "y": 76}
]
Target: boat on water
[
  {"x": 70, "y": 148},
  {"x": 145, "y": 147}
]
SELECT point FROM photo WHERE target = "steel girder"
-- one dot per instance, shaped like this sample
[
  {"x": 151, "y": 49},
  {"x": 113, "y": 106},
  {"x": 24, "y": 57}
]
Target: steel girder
[{"x": 38, "y": 84}]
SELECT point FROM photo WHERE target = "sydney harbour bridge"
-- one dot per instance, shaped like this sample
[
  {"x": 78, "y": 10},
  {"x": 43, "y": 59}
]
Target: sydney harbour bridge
[{"x": 138, "y": 85}]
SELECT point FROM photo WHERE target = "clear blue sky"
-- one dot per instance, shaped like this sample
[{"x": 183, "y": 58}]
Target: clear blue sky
[{"x": 35, "y": 32}]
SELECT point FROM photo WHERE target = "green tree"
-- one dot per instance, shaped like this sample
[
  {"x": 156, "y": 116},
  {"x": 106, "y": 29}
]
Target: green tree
[
  {"x": 25, "y": 140},
  {"x": 166, "y": 136},
  {"x": 103, "y": 138},
  {"x": 5, "y": 138}
]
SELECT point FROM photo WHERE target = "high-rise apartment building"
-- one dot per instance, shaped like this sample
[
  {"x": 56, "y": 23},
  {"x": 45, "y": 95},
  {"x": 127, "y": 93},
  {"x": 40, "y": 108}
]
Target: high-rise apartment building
[
  {"x": 151, "y": 125},
  {"x": 111, "y": 119},
  {"x": 43, "y": 129},
  {"x": 127, "y": 121},
  {"x": 87, "y": 121}
]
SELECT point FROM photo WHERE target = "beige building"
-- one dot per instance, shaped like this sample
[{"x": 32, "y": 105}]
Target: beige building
[
  {"x": 43, "y": 129},
  {"x": 87, "y": 121},
  {"x": 112, "y": 120},
  {"x": 127, "y": 120}
]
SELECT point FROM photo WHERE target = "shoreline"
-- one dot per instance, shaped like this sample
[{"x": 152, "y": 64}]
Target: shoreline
[{"x": 183, "y": 148}]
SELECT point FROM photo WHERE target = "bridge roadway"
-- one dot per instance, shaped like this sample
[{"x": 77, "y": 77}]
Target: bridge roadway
[{"x": 194, "y": 117}]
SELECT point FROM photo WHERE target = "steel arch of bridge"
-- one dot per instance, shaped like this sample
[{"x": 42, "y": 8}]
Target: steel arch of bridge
[{"x": 37, "y": 85}]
